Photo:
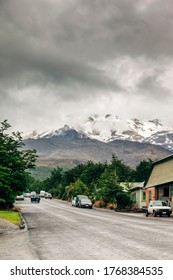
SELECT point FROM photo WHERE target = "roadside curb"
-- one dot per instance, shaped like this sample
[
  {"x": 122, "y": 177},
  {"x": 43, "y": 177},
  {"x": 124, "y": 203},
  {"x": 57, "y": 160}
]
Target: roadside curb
[
  {"x": 132, "y": 214},
  {"x": 7, "y": 227},
  {"x": 23, "y": 226}
]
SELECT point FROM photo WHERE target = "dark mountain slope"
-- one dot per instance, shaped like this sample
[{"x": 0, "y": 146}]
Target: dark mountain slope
[{"x": 69, "y": 151}]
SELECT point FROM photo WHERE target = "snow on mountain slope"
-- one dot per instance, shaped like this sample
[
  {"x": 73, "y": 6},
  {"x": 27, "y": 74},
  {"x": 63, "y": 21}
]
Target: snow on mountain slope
[
  {"x": 110, "y": 127},
  {"x": 65, "y": 131}
]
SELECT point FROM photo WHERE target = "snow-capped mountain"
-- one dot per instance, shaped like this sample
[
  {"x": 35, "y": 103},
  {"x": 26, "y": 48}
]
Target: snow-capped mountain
[
  {"x": 65, "y": 131},
  {"x": 110, "y": 127}
]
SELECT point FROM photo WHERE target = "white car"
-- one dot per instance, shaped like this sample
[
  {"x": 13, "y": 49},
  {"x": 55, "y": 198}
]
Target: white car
[
  {"x": 27, "y": 194},
  {"x": 158, "y": 207},
  {"x": 73, "y": 203},
  {"x": 48, "y": 195},
  {"x": 42, "y": 193},
  {"x": 19, "y": 197}
]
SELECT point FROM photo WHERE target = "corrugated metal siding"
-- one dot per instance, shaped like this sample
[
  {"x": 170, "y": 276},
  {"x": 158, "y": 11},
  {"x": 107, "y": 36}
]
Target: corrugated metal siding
[{"x": 162, "y": 173}]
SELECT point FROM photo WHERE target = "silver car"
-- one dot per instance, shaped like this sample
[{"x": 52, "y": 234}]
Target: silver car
[
  {"x": 85, "y": 203},
  {"x": 79, "y": 197}
]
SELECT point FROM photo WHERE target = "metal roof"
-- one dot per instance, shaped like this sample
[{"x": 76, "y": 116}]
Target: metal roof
[{"x": 161, "y": 172}]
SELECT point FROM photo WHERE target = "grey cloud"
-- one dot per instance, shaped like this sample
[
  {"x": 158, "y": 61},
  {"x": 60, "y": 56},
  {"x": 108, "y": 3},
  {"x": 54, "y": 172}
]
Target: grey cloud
[
  {"x": 109, "y": 28},
  {"x": 97, "y": 25},
  {"x": 26, "y": 50},
  {"x": 58, "y": 47},
  {"x": 150, "y": 89}
]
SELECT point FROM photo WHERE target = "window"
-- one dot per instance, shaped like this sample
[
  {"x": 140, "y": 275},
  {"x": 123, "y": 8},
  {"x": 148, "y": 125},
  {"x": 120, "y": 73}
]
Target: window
[
  {"x": 171, "y": 190},
  {"x": 166, "y": 192},
  {"x": 134, "y": 197},
  {"x": 143, "y": 196}
]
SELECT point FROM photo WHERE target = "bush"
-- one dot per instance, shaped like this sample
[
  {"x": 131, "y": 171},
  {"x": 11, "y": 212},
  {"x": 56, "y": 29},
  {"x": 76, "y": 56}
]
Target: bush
[
  {"x": 111, "y": 206},
  {"x": 123, "y": 200},
  {"x": 99, "y": 203}
]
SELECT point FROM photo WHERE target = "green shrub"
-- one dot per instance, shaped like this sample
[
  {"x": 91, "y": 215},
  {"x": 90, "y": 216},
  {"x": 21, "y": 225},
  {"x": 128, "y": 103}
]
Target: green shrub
[{"x": 123, "y": 200}]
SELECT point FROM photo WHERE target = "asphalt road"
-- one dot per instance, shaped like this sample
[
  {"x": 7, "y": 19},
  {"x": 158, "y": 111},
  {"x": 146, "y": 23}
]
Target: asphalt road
[{"x": 58, "y": 231}]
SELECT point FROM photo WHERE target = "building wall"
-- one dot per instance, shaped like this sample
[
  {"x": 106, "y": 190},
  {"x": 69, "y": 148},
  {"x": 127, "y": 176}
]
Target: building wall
[
  {"x": 138, "y": 198},
  {"x": 151, "y": 194},
  {"x": 162, "y": 194},
  {"x": 160, "y": 182}
]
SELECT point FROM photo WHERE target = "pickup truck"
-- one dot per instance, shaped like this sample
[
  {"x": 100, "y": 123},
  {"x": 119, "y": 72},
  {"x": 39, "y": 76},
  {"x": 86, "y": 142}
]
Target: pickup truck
[{"x": 158, "y": 207}]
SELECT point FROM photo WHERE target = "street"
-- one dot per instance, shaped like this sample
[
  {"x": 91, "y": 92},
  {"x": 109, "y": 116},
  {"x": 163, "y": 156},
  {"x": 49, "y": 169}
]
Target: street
[{"x": 58, "y": 231}]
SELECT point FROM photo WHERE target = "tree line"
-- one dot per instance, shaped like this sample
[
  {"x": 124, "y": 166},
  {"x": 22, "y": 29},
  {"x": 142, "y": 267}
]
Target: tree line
[
  {"x": 14, "y": 161},
  {"x": 100, "y": 181}
]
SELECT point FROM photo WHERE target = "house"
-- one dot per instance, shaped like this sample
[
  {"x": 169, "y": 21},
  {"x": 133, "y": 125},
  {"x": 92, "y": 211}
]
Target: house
[
  {"x": 159, "y": 185},
  {"x": 137, "y": 192}
]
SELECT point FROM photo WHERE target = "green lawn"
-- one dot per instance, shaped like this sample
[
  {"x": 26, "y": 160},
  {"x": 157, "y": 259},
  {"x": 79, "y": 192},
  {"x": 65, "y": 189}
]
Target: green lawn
[{"x": 12, "y": 217}]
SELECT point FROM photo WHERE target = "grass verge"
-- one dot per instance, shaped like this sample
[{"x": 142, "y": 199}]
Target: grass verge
[{"x": 12, "y": 217}]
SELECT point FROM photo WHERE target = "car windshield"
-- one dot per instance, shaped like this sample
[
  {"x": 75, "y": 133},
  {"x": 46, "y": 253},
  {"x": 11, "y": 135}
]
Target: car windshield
[
  {"x": 85, "y": 200},
  {"x": 159, "y": 203}
]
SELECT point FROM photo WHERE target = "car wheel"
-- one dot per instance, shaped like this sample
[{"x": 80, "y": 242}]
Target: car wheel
[
  {"x": 147, "y": 214},
  {"x": 154, "y": 213},
  {"x": 168, "y": 215}
]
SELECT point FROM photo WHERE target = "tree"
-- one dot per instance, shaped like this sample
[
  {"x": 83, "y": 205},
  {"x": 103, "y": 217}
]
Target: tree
[
  {"x": 143, "y": 170},
  {"x": 76, "y": 188},
  {"x": 92, "y": 172},
  {"x": 108, "y": 186},
  {"x": 53, "y": 184},
  {"x": 122, "y": 170},
  {"x": 110, "y": 190},
  {"x": 6, "y": 194},
  {"x": 14, "y": 161}
]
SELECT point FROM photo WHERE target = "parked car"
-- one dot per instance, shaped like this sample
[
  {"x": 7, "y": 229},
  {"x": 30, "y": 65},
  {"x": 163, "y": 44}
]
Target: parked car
[
  {"x": 158, "y": 207},
  {"x": 42, "y": 193},
  {"x": 85, "y": 203},
  {"x": 20, "y": 197},
  {"x": 35, "y": 198},
  {"x": 73, "y": 203},
  {"x": 27, "y": 194},
  {"x": 78, "y": 197},
  {"x": 33, "y": 193},
  {"x": 48, "y": 195}
]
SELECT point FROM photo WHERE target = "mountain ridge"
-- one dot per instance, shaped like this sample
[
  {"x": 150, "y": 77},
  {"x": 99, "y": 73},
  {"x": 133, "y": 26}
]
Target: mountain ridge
[
  {"x": 63, "y": 151},
  {"x": 109, "y": 128}
]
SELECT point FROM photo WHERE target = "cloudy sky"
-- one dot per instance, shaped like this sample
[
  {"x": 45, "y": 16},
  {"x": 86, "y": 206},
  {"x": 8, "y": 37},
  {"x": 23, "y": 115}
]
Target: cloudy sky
[{"x": 61, "y": 61}]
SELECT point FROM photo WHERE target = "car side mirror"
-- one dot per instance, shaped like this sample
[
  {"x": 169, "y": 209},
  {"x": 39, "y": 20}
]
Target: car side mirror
[{"x": 151, "y": 205}]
